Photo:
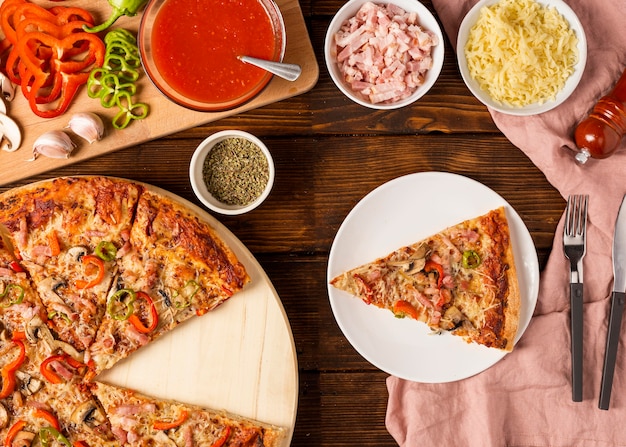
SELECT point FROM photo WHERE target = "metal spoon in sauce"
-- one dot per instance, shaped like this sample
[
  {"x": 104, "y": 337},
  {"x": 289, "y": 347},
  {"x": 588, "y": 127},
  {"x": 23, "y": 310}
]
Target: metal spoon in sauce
[{"x": 290, "y": 72}]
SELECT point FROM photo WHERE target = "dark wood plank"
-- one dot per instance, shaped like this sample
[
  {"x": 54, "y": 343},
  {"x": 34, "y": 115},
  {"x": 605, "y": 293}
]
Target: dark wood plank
[{"x": 342, "y": 409}]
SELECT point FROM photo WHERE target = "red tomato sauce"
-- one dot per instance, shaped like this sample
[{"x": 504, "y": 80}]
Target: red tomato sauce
[{"x": 195, "y": 45}]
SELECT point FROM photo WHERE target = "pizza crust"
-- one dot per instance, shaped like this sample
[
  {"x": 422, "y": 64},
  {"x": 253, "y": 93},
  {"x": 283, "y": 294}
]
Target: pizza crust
[{"x": 513, "y": 300}]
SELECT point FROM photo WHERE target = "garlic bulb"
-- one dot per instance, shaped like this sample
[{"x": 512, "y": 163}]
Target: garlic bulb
[
  {"x": 87, "y": 125},
  {"x": 53, "y": 144}
]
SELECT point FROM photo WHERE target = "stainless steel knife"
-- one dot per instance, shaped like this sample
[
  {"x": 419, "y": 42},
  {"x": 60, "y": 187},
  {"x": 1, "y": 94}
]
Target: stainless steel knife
[{"x": 618, "y": 296}]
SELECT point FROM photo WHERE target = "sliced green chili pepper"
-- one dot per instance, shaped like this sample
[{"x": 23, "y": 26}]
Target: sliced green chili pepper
[
  {"x": 120, "y": 8},
  {"x": 15, "y": 297},
  {"x": 128, "y": 110},
  {"x": 183, "y": 297},
  {"x": 50, "y": 435},
  {"x": 120, "y": 305},
  {"x": 106, "y": 86},
  {"x": 125, "y": 69},
  {"x": 65, "y": 317},
  {"x": 128, "y": 50},
  {"x": 471, "y": 259},
  {"x": 120, "y": 35},
  {"x": 114, "y": 83},
  {"x": 106, "y": 251}
]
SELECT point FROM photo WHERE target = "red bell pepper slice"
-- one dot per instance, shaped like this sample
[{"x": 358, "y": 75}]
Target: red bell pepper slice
[
  {"x": 92, "y": 260},
  {"x": 53, "y": 243},
  {"x": 49, "y": 417},
  {"x": 8, "y": 371},
  {"x": 402, "y": 308},
  {"x": 152, "y": 310},
  {"x": 67, "y": 14},
  {"x": 222, "y": 439},
  {"x": 66, "y": 359},
  {"x": 13, "y": 431},
  {"x": 166, "y": 425},
  {"x": 434, "y": 267},
  {"x": 7, "y": 11},
  {"x": 16, "y": 267}
]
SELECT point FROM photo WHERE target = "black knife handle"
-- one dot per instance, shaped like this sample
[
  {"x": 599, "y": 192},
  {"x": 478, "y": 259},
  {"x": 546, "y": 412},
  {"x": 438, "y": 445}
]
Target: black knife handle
[
  {"x": 610, "y": 354},
  {"x": 576, "y": 332}
]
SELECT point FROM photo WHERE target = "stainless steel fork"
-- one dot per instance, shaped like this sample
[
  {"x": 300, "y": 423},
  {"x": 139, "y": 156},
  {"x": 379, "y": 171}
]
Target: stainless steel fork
[{"x": 574, "y": 246}]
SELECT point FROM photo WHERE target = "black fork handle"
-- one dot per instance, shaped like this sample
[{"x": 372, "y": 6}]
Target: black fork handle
[{"x": 576, "y": 331}]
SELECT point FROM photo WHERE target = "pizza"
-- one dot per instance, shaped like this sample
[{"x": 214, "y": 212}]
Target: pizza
[
  {"x": 462, "y": 280},
  {"x": 92, "y": 269},
  {"x": 61, "y": 233},
  {"x": 119, "y": 403}
]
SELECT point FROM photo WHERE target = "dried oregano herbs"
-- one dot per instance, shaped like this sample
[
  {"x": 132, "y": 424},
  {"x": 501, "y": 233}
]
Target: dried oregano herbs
[{"x": 235, "y": 171}]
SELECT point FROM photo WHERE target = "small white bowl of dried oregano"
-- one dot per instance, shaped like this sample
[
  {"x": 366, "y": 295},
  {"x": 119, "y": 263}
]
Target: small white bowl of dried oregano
[{"x": 232, "y": 172}]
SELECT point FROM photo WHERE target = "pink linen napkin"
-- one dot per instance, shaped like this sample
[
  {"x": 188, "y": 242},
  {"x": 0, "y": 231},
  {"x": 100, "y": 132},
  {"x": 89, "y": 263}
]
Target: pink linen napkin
[{"x": 525, "y": 399}]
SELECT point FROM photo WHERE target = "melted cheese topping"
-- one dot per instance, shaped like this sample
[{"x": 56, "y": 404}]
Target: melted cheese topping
[{"x": 521, "y": 52}]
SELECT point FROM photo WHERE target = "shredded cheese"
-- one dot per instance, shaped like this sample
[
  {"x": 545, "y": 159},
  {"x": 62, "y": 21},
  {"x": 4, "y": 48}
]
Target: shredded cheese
[{"x": 521, "y": 52}]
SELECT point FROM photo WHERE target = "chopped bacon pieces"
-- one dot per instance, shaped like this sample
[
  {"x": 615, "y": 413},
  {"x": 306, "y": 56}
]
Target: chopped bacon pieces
[{"x": 383, "y": 53}]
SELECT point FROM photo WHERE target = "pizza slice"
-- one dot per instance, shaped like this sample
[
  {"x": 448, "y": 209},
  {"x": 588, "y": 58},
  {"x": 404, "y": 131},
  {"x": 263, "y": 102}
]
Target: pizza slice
[
  {"x": 68, "y": 233},
  {"x": 177, "y": 267},
  {"x": 19, "y": 302},
  {"x": 462, "y": 279},
  {"x": 62, "y": 414},
  {"x": 143, "y": 421}
]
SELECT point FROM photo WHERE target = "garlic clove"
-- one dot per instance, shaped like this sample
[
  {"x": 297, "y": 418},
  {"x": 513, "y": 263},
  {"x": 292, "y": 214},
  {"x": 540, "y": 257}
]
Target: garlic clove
[
  {"x": 53, "y": 144},
  {"x": 87, "y": 125}
]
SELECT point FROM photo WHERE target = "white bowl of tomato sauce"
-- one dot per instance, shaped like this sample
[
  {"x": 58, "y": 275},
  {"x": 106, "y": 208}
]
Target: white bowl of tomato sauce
[{"x": 190, "y": 50}]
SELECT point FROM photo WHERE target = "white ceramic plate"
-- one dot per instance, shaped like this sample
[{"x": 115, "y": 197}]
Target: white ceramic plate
[
  {"x": 532, "y": 109},
  {"x": 391, "y": 217}
]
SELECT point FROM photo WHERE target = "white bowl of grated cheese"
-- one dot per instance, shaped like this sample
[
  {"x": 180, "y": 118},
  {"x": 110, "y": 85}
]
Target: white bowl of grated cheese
[
  {"x": 384, "y": 55},
  {"x": 521, "y": 57}
]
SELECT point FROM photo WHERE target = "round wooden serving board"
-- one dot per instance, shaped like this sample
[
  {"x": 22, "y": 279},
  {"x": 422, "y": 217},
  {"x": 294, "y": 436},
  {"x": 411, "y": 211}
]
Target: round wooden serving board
[{"x": 240, "y": 357}]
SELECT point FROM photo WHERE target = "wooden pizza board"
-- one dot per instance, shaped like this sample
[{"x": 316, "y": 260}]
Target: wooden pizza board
[
  {"x": 165, "y": 117},
  {"x": 239, "y": 358}
]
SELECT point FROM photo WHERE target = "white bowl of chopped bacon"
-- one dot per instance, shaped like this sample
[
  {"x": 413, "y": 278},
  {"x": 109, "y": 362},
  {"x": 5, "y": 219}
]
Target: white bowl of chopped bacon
[{"x": 384, "y": 55}]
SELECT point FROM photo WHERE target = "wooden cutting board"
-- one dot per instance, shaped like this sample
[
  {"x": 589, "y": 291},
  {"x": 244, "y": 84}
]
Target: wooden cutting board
[{"x": 165, "y": 117}]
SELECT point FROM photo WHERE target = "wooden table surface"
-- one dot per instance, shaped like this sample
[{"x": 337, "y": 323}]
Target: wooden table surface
[{"x": 329, "y": 153}]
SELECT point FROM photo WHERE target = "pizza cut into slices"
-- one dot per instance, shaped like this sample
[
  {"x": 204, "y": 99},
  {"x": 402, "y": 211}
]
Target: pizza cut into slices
[
  {"x": 67, "y": 233},
  {"x": 140, "y": 420},
  {"x": 177, "y": 267},
  {"x": 91, "y": 269},
  {"x": 462, "y": 279}
]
